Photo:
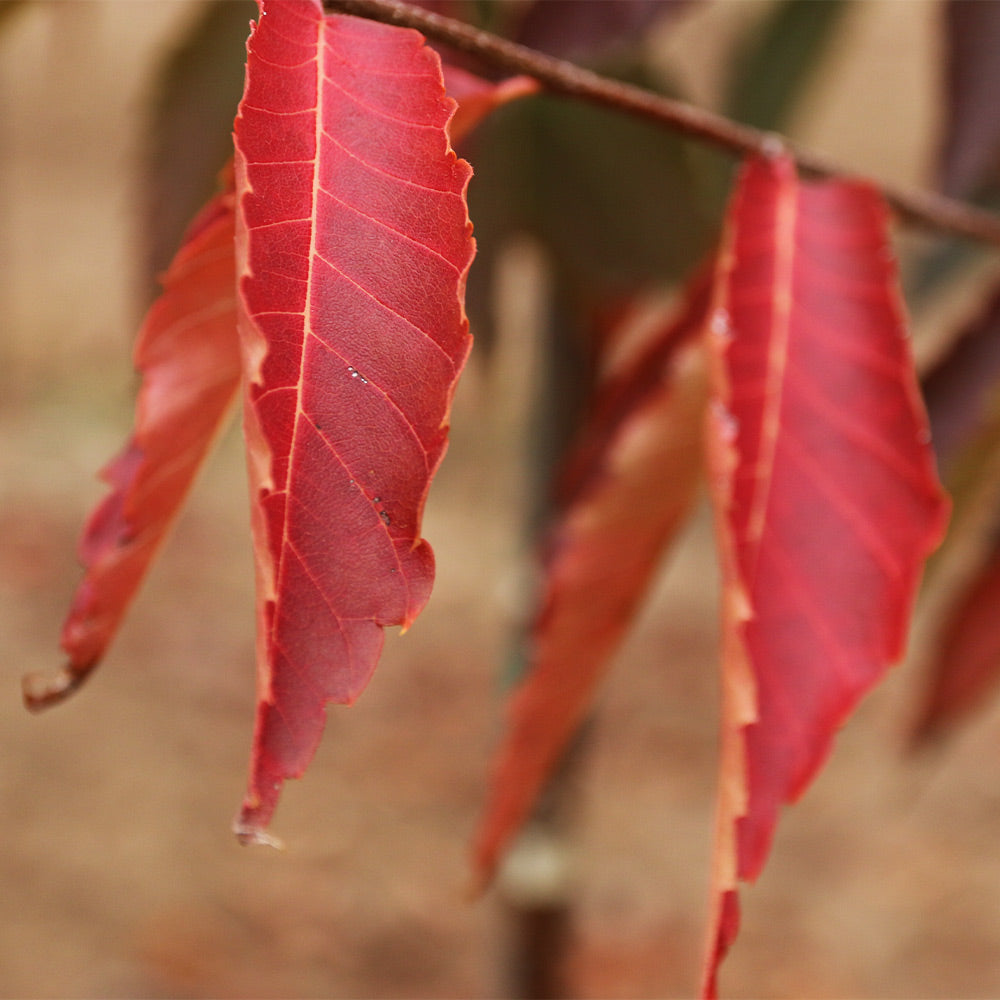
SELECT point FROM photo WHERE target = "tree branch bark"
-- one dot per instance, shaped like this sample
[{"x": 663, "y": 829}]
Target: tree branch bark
[{"x": 920, "y": 207}]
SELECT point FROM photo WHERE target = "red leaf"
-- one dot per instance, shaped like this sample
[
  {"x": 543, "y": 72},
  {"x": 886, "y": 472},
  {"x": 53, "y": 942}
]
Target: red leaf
[
  {"x": 188, "y": 354},
  {"x": 632, "y": 481},
  {"x": 826, "y": 496},
  {"x": 966, "y": 668},
  {"x": 353, "y": 247}
]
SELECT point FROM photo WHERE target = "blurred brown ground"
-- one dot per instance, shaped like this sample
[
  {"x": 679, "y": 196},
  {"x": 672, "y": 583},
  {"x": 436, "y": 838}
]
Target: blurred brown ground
[{"x": 118, "y": 874}]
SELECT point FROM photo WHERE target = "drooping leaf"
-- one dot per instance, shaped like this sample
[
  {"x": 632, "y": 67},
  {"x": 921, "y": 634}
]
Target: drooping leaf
[
  {"x": 538, "y": 166},
  {"x": 618, "y": 243},
  {"x": 965, "y": 669},
  {"x": 353, "y": 245},
  {"x": 769, "y": 71},
  {"x": 826, "y": 496},
  {"x": 188, "y": 355},
  {"x": 628, "y": 488},
  {"x": 970, "y": 152}
]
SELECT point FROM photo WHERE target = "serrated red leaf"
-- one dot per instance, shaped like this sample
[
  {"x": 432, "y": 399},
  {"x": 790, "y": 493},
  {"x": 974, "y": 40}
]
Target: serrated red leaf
[
  {"x": 353, "y": 247},
  {"x": 827, "y": 501},
  {"x": 188, "y": 354},
  {"x": 629, "y": 485}
]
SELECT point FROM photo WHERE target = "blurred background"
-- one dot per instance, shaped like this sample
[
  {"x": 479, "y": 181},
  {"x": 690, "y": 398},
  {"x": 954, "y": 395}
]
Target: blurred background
[{"x": 118, "y": 873}]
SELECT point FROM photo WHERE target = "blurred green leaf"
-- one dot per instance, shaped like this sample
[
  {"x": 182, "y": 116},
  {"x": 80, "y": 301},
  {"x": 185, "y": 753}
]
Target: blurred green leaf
[
  {"x": 770, "y": 68},
  {"x": 773, "y": 66},
  {"x": 610, "y": 196}
]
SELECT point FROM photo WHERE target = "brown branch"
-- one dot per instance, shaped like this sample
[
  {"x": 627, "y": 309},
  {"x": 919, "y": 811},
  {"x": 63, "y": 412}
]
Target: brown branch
[{"x": 924, "y": 208}]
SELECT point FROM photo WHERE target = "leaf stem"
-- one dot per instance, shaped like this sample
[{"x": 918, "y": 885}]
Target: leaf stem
[{"x": 920, "y": 207}]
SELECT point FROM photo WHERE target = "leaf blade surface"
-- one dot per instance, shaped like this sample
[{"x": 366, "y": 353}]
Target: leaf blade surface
[
  {"x": 354, "y": 243},
  {"x": 826, "y": 497}
]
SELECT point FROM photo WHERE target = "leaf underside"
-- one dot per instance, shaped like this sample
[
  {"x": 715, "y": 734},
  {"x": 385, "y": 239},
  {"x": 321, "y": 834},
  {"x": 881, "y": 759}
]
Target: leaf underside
[
  {"x": 188, "y": 355},
  {"x": 827, "y": 501},
  {"x": 353, "y": 246}
]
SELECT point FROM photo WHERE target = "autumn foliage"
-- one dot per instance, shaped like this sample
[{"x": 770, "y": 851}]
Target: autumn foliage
[{"x": 328, "y": 280}]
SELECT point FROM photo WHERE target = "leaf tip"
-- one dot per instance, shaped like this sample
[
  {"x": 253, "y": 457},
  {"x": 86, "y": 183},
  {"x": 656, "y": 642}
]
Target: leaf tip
[{"x": 41, "y": 691}]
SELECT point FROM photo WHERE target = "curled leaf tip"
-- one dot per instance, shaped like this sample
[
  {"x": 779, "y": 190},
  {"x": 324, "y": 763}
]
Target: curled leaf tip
[{"x": 41, "y": 691}]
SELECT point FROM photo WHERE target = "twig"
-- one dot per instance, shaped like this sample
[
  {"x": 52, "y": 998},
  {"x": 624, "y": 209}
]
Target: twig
[{"x": 923, "y": 208}]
